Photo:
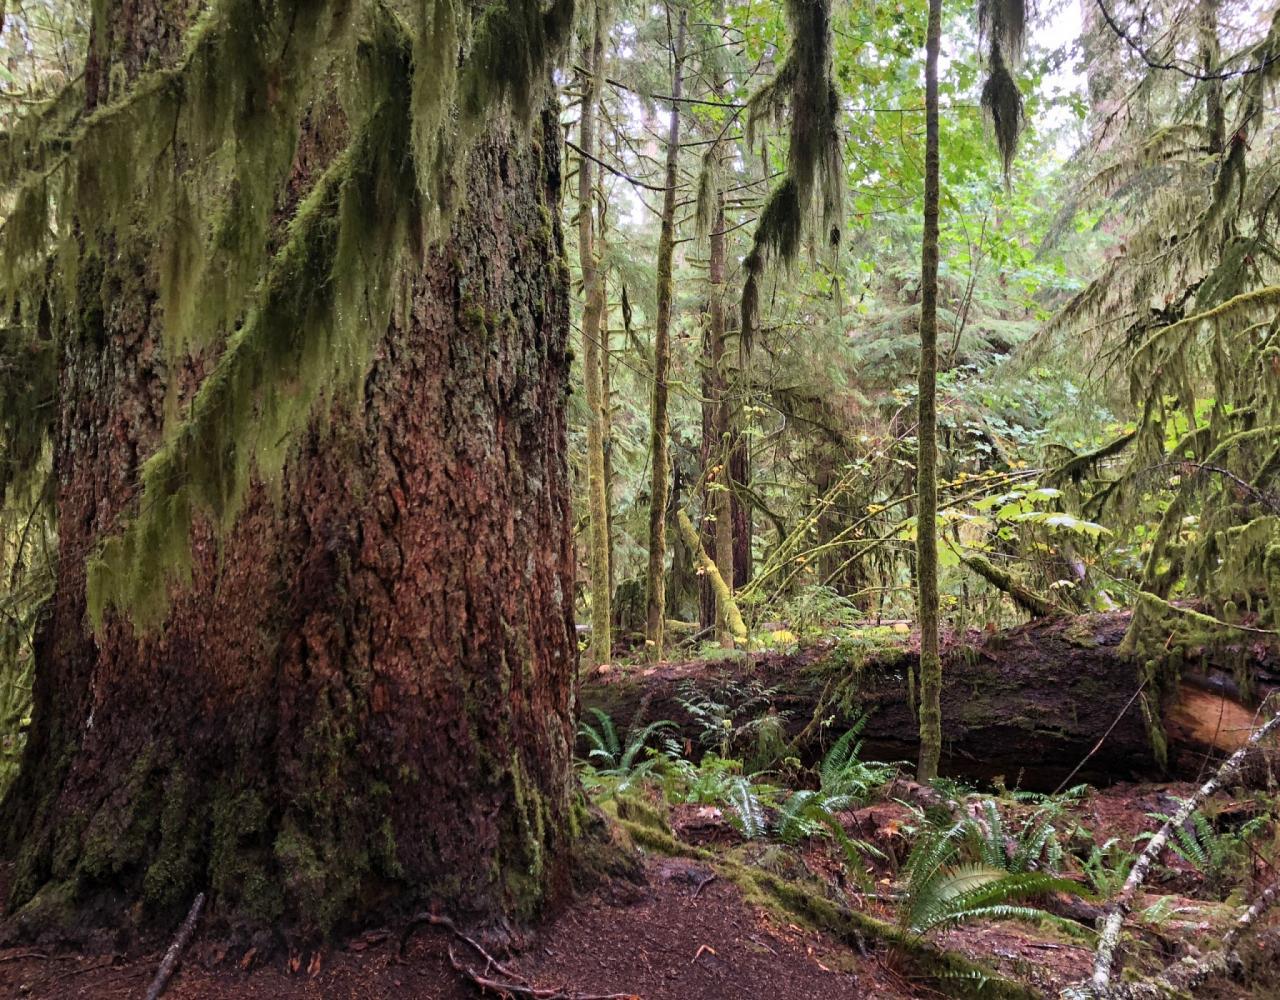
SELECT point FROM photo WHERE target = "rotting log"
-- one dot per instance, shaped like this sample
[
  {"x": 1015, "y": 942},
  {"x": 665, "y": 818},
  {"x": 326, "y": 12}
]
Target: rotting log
[{"x": 1028, "y": 704}]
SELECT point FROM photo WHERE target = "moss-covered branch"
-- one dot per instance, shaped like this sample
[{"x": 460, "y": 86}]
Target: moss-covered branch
[
  {"x": 1036, "y": 605},
  {"x": 950, "y": 971},
  {"x": 725, "y": 604}
]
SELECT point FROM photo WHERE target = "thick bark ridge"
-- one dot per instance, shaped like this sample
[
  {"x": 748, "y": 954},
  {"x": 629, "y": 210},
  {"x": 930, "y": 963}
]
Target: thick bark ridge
[{"x": 364, "y": 697}]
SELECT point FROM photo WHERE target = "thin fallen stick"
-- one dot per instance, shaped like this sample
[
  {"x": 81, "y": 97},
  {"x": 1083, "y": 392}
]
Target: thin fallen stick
[
  {"x": 1109, "y": 938},
  {"x": 21, "y": 955},
  {"x": 508, "y": 989},
  {"x": 1192, "y": 978},
  {"x": 174, "y": 953}
]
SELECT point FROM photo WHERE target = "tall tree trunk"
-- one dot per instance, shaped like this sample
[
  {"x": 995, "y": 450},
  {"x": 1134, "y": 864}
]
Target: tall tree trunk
[
  {"x": 927, "y": 431},
  {"x": 363, "y": 697},
  {"x": 721, "y": 495},
  {"x": 740, "y": 509},
  {"x": 716, "y": 421},
  {"x": 660, "y": 486},
  {"x": 601, "y": 649},
  {"x": 1211, "y": 55}
]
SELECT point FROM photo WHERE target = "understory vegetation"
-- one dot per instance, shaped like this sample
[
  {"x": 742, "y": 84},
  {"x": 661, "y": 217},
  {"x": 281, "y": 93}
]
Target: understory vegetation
[{"x": 806, "y": 364}]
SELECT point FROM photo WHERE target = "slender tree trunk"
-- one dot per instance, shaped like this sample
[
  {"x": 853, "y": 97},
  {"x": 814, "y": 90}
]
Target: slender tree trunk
[
  {"x": 716, "y": 421},
  {"x": 659, "y": 490},
  {"x": 927, "y": 431},
  {"x": 1211, "y": 54},
  {"x": 740, "y": 509},
  {"x": 722, "y": 495},
  {"x": 601, "y": 649},
  {"x": 363, "y": 697}
]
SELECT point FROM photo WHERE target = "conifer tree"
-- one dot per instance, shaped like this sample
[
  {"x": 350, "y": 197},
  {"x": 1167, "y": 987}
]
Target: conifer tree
[
  {"x": 593, "y": 326},
  {"x": 310, "y": 646},
  {"x": 927, "y": 424}
]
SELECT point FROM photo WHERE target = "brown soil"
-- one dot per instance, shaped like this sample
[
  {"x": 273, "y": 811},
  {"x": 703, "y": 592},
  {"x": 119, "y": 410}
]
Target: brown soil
[{"x": 681, "y": 935}]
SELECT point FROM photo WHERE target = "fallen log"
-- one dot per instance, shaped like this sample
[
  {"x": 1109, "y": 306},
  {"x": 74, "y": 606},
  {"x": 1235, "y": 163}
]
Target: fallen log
[{"x": 1028, "y": 704}]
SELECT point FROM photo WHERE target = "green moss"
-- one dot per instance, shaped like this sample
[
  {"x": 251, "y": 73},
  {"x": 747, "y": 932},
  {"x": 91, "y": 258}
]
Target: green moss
[
  {"x": 520, "y": 863},
  {"x": 176, "y": 870},
  {"x": 121, "y": 828},
  {"x": 240, "y": 870}
]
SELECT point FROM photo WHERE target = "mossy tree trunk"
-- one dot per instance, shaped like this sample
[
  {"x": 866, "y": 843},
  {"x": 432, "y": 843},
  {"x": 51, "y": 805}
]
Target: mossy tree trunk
[
  {"x": 363, "y": 699},
  {"x": 659, "y": 450},
  {"x": 927, "y": 430},
  {"x": 716, "y": 417},
  {"x": 592, "y": 315},
  {"x": 740, "y": 509}
]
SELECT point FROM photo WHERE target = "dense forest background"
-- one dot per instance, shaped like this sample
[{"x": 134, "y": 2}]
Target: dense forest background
[{"x": 658, "y": 380}]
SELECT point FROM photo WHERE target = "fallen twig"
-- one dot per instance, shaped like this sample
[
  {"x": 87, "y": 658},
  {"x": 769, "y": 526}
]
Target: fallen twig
[
  {"x": 21, "y": 955},
  {"x": 440, "y": 920},
  {"x": 170, "y": 961}
]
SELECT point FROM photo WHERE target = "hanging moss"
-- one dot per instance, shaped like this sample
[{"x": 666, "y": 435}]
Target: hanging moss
[
  {"x": 193, "y": 159},
  {"x": 1002, "y": 104},
  {"x": 802, "y": 95},
  {"x": 307, "y": 339}
]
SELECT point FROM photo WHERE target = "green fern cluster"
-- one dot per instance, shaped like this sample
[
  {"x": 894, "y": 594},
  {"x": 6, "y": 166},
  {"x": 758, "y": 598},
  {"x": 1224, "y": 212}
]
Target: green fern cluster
[
  {"x": 1215, "y": 854},
  {"x": 939, "y": 890},
  {"x": 620, "y": 761}
]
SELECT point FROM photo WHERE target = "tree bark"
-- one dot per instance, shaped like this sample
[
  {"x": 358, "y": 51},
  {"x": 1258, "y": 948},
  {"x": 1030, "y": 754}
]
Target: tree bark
[
  {"x": 659, "y": 457},
  {"x": 716, "y": 419},
  {"x": 601, "y": 649},
  {"x": 927, "y": 429},
  {"x": 363, "y": 697},
  {"x": 1030, "y": 704}
]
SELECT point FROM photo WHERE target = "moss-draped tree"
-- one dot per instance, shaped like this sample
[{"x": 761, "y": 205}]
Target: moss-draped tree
[{"x": 310, "y": 647}]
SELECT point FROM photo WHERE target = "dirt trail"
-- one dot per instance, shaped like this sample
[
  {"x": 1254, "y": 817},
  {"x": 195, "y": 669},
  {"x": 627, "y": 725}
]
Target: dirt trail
[{"x": 680, "y": 936}]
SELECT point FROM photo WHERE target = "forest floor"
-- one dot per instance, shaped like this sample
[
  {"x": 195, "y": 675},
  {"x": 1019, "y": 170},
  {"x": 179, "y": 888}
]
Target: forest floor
[{"x": 687, "y": 930}]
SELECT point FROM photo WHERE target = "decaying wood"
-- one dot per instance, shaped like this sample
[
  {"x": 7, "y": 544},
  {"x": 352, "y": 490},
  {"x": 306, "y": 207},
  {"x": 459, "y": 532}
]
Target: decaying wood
[
  {"x": 1031, "y": 703},
  {"x": 171, "y": 957}
]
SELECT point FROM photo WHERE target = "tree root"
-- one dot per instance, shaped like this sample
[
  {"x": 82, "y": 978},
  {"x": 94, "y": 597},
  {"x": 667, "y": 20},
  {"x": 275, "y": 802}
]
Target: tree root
[
  {"x": 513, "y": 983},
  {"x": 521, "y": 988}
]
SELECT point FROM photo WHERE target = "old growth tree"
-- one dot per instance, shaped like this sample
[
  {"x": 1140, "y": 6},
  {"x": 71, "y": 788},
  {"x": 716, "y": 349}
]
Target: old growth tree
[{"x": 294, "y": 284}]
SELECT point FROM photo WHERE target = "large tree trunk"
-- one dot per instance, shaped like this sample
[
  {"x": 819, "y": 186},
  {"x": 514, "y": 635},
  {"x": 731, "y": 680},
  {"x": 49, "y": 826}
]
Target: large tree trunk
[
  {"x": 364, "y": 696},
  {"x": 1029, "y": 704}
]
